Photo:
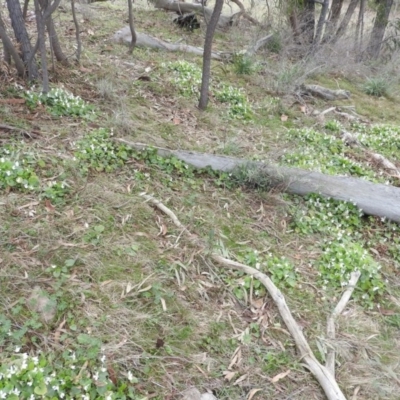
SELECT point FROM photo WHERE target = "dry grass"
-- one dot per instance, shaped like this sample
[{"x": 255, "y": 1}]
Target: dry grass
[{"x": 158, "y": 304}]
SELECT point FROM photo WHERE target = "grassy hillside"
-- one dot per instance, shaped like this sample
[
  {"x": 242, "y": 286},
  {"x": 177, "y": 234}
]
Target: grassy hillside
[{"x": 103, "y": 296}]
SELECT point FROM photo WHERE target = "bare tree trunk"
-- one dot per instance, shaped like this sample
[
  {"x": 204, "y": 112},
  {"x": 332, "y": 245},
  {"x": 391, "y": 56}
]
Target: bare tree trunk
[
  {"x": 10, "y": 50},
  {"x": 41, "y": 29},
  {"x": 131, "y": 27},
  {"x": 54, "y": 42},
  {"x": 380, "y": 24},
  {"x": 346, "y": 19},
  {"x": 21, "y": 34},
  {"x": 25, "y": 10},
  {"x": 307, "y": 24},
  {"x": 360, "y": 29},
  {"x": 205, "y": 80},
  {"x": 294, "y": 24},
  {"x": 336, "y": 9},
  {"x": 77, "y": 33},
  {"x": 322, "y": 21}
]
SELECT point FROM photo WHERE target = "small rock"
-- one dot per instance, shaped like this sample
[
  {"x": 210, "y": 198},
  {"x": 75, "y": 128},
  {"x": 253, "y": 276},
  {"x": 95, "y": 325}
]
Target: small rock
[
  {"x": 191, "y": 394},
  {"x": 208, "y": 396}
]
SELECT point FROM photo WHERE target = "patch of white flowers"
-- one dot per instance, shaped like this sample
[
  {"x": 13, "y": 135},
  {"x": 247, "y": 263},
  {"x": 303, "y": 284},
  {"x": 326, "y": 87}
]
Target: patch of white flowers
[
  {"x": 186, "y": 76},
  {"x": 381, "y": 138},
  {"x": 31, "y": 377},
  {"x": 60, "y": 102},
  {"x": 239, "y": 106},
  {"x": 15, "y": 173},
  {"x": 325, "y": 153}
]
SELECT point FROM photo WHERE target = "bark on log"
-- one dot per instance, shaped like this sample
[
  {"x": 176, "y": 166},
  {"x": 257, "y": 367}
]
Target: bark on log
[
  {"x": 143, "y": 40},
  {"x": 325, "y": 93},
  {"x": 183, "y": 8},
  {"x": 373, "y": 198}
]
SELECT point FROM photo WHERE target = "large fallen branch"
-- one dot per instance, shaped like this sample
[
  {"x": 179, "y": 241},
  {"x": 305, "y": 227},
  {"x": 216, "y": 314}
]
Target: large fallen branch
[
  {"x": 373, "y": 198},
  {"x": 183, "y": 8},
  {"x": 321, "y": 373},
  {"x": 142, "y": 40},
  {"x": 325, "y": 93}
]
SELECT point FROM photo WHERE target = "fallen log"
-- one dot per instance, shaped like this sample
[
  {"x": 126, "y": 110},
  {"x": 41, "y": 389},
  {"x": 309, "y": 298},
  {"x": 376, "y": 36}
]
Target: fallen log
[
  {"x": 183, "y": 8},
  {"x": 142, "y": 40},
  {"x": 325, "y": 93},
  {"x": 372, "y": 198}
]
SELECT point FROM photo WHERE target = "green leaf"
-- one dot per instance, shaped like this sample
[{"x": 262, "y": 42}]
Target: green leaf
[
  {"x": 99, "y": 228},
  {"x": 70, "y": 263},
  {"x": 41, "y": 390}
]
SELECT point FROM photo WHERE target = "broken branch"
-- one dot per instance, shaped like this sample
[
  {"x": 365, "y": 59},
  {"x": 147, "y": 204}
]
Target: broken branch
[{"x": 321, "y": 373}]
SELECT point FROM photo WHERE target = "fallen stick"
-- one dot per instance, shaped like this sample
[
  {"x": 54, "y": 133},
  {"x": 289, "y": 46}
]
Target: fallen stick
[
  {"x": 330, "y": 358},
  {"x": 321, "y": 373},
  {"x": 30, "y": 135}
]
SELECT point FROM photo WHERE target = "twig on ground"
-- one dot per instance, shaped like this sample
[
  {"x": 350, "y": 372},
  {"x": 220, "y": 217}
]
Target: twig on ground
[
  {"x": 163, "y": 208},
  {"x": 30, "y": 135},
  {"x": 330, "y": 359},
  {"x": 321, "y": 373}
]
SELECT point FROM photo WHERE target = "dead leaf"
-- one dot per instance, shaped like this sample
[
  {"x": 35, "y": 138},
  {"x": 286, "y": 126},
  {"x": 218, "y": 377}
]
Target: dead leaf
[
  {"x": 58, "y": 331},
  {"x": 112, "y": 375},
  {"x": 69, "y": 213},
  {"x": 83, "y": 69},
  {"x": 145, "y": 289},
  {"x": 303, "y": 109},
  {"x": 129, "y": 287},
  {"x": 228, "y": 375},
  {"x": 257, "y": 303},
  {"x": 237, "y": 357},
  {"x": 176, "y": 121},
  {"x": 163, "y": 304},
  {"x": 284, "y": 117},
  {"x": 241, "y": 379},
  {"x": 49, "y": 207},
  {"x": 280, "y": 376},
  {"x": 252, "y": 393}
]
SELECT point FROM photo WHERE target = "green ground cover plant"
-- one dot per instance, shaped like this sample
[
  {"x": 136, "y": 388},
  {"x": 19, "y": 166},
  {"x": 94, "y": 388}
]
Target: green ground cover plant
[
  {"x": 59, "y": 102},
  {"x": 139, "y": 310}
]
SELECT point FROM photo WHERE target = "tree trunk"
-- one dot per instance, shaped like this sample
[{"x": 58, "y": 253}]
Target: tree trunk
[
  {"x": 360, "y": 30},
  {"x": 10, "y": 50},
  {"x": 132, "y": 28},
  {"x": 41, "y": 31},
  {"x": 307, "y": 23},
  {"x": 294, "y": 24},
  {"x": 25, "y": 10},
  {"x": 21, "y": 34},
  {"x": 346, "y": 19},
  {"x": 336, "y": 9},
  {"x": 77, "y": 33},
  {"x": 205, "y": 80},
  {"x": 322, "y": 21},
  {"x": 54, "y": 42},
  {"x": 380, "y": 24}
]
